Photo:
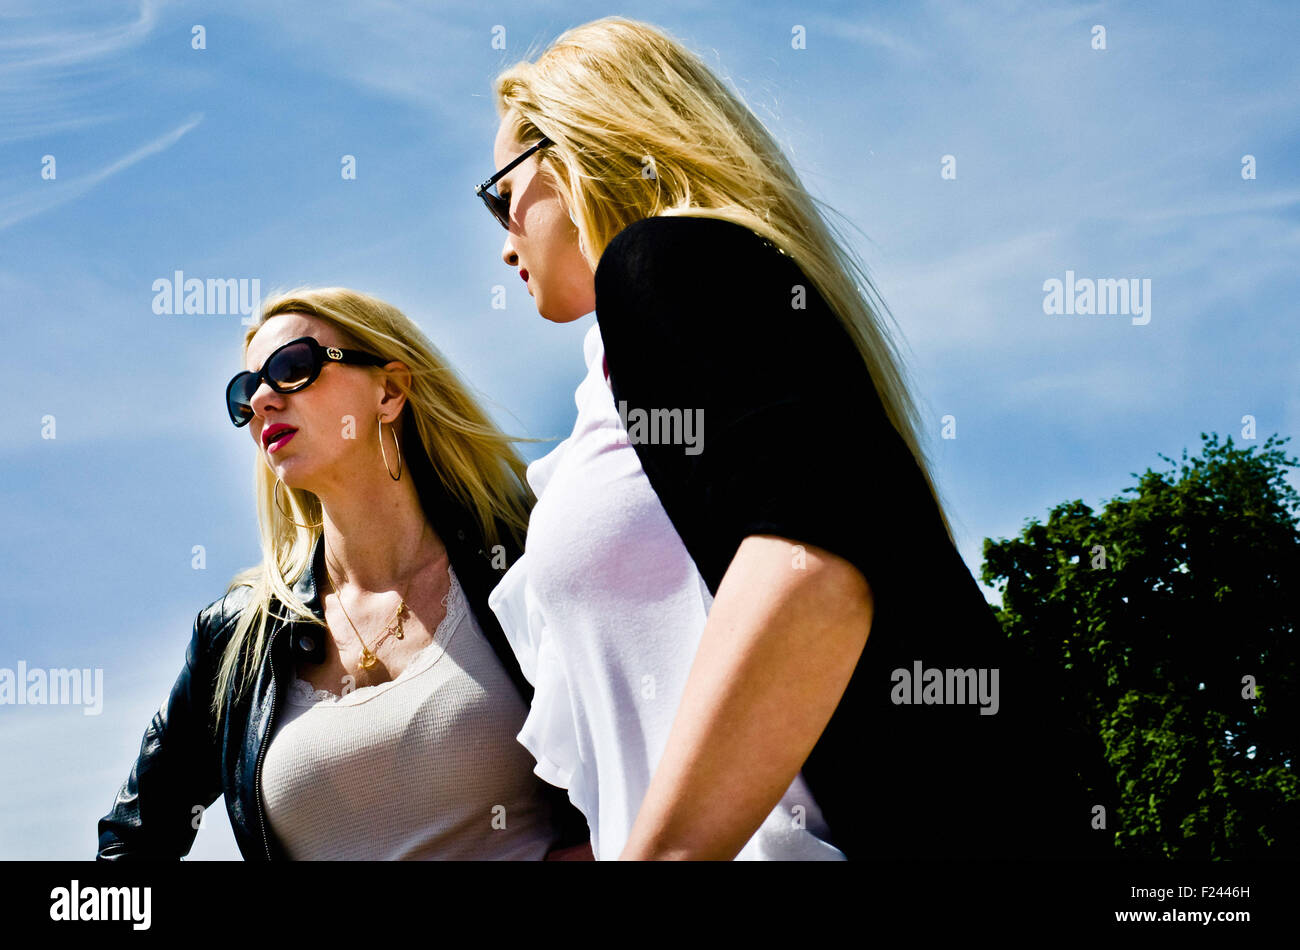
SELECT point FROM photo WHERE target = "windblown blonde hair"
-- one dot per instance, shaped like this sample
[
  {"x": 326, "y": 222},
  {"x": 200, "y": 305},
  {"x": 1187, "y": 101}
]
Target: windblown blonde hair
[
  {"x": 615, "y": 94},
  {"x": 475, "y": 461}
]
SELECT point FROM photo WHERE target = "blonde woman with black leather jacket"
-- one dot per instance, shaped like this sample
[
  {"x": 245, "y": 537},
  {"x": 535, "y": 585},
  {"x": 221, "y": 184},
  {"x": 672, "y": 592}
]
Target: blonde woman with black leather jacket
[{"x": 352, "y": 696}]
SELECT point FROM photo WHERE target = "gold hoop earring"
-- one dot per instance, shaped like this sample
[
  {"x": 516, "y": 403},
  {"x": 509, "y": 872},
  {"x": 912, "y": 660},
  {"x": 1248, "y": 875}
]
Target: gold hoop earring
[
  {"x": 398, "y": 476},
  {"x": 275, "y": 494}
]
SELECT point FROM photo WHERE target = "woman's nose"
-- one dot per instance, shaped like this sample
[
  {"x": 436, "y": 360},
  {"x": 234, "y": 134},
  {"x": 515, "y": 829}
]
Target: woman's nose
[
  {"x": 264, "y": 395},
  {"x": 508, "y": 254}
]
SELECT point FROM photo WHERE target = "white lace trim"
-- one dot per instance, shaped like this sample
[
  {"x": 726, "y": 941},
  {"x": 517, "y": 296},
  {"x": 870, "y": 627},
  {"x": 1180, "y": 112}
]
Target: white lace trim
[{"x": 302, "y": 693}]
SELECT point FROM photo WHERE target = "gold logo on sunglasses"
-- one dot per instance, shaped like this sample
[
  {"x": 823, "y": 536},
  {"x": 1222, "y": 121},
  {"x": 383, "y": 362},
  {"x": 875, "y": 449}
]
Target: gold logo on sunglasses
[{"x": 334, "y": 353}]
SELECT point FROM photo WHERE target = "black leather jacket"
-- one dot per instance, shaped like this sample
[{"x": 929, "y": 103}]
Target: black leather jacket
[{"x": 182, "y": 766}]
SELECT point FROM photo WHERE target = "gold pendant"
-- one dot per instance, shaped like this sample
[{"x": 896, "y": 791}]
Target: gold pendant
[{"x": 368, "y": 659}]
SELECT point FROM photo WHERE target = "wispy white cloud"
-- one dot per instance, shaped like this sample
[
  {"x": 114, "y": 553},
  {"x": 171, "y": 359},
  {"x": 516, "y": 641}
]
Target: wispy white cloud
[
  {"x": 410, "y": 53},
  {"x": 43, "y": 125},
  {"x": 864, "y": 34},
  {"x": 62, "y": 48},
  {"x": 923, "y": 294},
  {"x": 58, "y": 193},
  {"x": 1202, "y": 207},
  {"x": 58, "y": 76}
]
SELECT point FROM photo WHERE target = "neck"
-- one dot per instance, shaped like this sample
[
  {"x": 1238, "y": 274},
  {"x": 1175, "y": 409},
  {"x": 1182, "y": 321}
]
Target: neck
[{"x": 376, "y": 536}]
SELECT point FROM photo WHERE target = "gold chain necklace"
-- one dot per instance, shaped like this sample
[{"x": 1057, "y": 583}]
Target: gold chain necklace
[{"x": 368, "y": 657}]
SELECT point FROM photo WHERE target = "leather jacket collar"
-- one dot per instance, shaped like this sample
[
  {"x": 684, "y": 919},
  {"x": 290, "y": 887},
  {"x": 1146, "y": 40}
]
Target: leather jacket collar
[{"x": 307, "y": 640}]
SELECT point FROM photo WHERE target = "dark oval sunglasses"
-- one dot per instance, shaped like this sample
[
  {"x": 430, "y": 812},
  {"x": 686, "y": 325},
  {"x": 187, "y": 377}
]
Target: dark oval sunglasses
[
  {"x": 290, "y": 368},
  {"x": 500, "y": 207}
]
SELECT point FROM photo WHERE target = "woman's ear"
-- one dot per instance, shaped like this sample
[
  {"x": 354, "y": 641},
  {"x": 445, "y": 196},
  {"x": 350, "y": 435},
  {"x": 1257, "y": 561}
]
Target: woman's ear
[{"x": 396, "y": 383}]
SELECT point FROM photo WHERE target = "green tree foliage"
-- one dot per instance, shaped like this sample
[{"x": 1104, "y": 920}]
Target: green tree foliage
[{"x": 1166, "y": 625}]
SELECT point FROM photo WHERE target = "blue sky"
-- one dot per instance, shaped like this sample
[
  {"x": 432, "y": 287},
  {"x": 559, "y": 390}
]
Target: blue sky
[{"x": 225, "y": 163}]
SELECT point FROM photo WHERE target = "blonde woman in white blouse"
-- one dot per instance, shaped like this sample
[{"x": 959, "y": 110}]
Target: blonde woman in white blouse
[{"x": 713, "y": 616}]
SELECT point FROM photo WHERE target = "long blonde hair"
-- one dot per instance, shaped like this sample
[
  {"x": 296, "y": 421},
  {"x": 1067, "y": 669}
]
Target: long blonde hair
[
  {"x": 474, "y": 460},
  {"x": 616, "y": 95}
]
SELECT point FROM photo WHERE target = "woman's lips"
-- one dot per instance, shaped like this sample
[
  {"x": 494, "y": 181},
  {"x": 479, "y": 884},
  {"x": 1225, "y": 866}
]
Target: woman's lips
[
  {"x": 523, "y": 275},
  {"x": 279, "y": 439}
]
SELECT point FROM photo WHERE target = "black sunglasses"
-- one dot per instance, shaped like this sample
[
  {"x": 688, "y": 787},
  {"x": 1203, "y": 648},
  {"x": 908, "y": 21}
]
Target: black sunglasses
[
  {"x": 500, "y": 207},
  {"x": 290, "y": 368}
]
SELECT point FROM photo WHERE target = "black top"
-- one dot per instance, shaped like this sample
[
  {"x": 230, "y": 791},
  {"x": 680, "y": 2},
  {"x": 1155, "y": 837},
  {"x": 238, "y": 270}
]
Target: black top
[{"x": 700, "y": 313}]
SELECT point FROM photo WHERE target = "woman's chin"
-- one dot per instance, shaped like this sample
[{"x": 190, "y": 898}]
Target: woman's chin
[
  {"x": 295, "y": 473},
  {"x": 562, "y": 316}
]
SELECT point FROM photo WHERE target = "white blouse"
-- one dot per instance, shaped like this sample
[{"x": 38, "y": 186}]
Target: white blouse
[
  {"x": 422, "y": 767},
  {"x": 605, "y": 610}
]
